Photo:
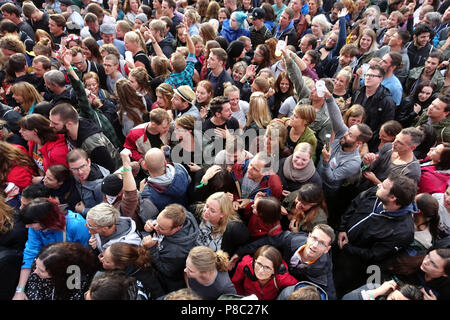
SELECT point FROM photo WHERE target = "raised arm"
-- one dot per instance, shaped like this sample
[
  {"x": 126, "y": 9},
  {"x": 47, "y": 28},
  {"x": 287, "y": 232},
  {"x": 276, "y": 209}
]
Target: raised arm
[{"x": 295, "y": 74}]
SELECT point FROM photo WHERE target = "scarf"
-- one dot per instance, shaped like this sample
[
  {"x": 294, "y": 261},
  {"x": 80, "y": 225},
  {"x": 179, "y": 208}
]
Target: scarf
[{"x": 296, "y": 175}]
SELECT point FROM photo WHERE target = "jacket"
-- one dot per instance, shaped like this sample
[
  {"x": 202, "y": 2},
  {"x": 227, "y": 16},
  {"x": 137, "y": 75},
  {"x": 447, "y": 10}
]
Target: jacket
[
  {"x": 289, "y": 31},
  {"x": 375, "y": 234},
  {"x": 320, "y": 272},
  {"x": 21, "y": 176},
  {"x": 53, "y": 152},
  {"x": 221, "y": 79},
  {"x": 432, "y": 180},
  {"x": 174, "y": 193},
  {"x": 416, "y": 56},
  {"x": 169, "y": 256},
  {"x": 270, "y": 184},
  {"x": 76, "y": 231},
  {"x": 125, "y": 232},
  {"x": 246, "y": 283},
  {"x": 438, "y": 79},
  {"x": 442, "y": 127},
  {"x": 259, "y": 36},
  {"x": 231, "y": 34},
  {"x": 138, "y": 143},
  {"x": 257, "y": 227},
  {"x": 91, "y": 191}
]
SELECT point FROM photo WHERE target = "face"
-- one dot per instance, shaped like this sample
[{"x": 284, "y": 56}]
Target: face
[
  {"x": 340, "y": 82},
  {"x": 177, "y": 102},
  {"x": 425, "y": 94},
  {"x": 40, "y": 270},
  {"x": 303, "y": 205},
  {"x": 18, "y": 98},
  {"x": 331, "y": 41},
  {"x": 317, "y": 243},
  {"x": 130, "y": 45},
  {"x": 191, "y": 270},
  {"x": 308, "y": 60},
  {"x": 312, "y": 6},
  {"x": 435, "y": 153},
  {"x": 430, "y": 65},
  {"x": 258, "y": 57},
  {"x": 304, "y": 45},
  {"x": 79, "y": 61},
  {"x": 402, "y": 143},
  {"x": 237, "y": 74},
  {"x": 212, "y": 212},
  {"x": 161, "y": 100},
  {"x": 422, "y": 39},
  {"x": 255, "y": 169},
  {"x": 24, "y": 202},
  {"x": 165, "y": 9},
  {"x": 106, "y": 260},
  {"x": 28, "y": 135},
  {"x": 181, "y": 133},
  {"x": 382, "y": 21},
  {"x": 234, "y": 99},
  {"x": 446, "y": 199},
  {"x": 365, "y": 42},
  {"x": 181, "y": 35},
  {"x": 316, "y": 29},
  {"x": 392, "y": 21},
  {"x": 156, "y": 4},
  {"x": 93, "y": 26},
  {"x": 350, "y": 137},
  {"x": 354, "y": 120},
  {"x": 86, "y": 52},
  {"x": 109, "y": 66},
  {"x": 386, "y": 62},
  {"x": 384, "y": 191},
  {"x": 284, "y": 20},
  {"x": 109, "y": 38},
  {"x": 233, "y": 23},
  {"x": 50, "y": 181},
  {"x": 163, "y": 127},
  {"x": 81, "y": 168},
  {"x": 284, "y": 85},
  {"x": 345, "y": 59},
  {"x": 134, "y": 5},
  {"x": 263, "y": 268},
  {"x": 394, "y": 40},
  {"x": 396, "y": 295},
  {"x": 433, "y": 265},
  {"x": 96, "y": 229},
  {"x": 202, "y": 94},
  {"x": 373, "y": 78},
  {"x": 222, "y": 17},
  {"x": 226, "y": 112},
  {"x": 92, "y": 85},
  {"x": 38, "y": 69},
  {"x": 120, "y": 33},
  {"x": 384, "y": 137},
  {"x": 7, "y": 53},
  {"x": 213, "y": 62},
  {"x": 436, "y": 110},
  {"x": 53, "y": 27},
  {"x": 198, "y": 48},
  {"x": 58, "y": 124},
  {"x": 35, "y": 16},
  {"x": 164, "y": 226}
]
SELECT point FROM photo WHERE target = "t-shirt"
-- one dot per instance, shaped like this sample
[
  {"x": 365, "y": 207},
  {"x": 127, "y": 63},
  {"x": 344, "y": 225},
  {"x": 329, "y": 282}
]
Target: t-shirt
[
  {"x": 248, "y": 187},
  {"x": 37, "y": 158},
  {"x": 111, "y": 83},
  {"x": 155, "y": 140},
  {"x": 222, "y": 285}
]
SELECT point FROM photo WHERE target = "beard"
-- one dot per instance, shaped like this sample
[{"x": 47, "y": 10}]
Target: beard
[{"x": 344, "y": 144}]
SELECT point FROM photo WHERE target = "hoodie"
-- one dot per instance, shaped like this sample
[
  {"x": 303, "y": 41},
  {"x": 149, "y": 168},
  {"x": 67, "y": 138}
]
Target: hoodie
[
  {"x": 125, "y": 232},
  {"x": 231, "y": 34},
  {"x": 169, "y": 256}
]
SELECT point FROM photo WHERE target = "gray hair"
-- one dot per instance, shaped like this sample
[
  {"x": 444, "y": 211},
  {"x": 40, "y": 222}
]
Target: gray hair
[
  {"x": 416, "y": 135},
  {"x": 103, "y": 215},
  {"x": 433, "y": 17},
  {"x": 55, "y": 77}
]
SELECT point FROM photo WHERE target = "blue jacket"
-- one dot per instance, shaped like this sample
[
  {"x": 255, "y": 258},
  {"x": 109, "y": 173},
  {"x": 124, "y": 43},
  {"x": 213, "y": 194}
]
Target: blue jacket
[
  {"x": 231, "y": 34},
  {"x": 76, "y": 231},
  {"x": 175, "y": 192}
]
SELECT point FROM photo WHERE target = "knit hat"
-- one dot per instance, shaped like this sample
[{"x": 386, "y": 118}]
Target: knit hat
[
  {"x": 186, "y": 93},
  {"x": 108, "y": 28},
  {"x": 142, "y": 17},
  {"x": 235, "y": 49},
  {"x": 112, "y": 185},
  {"x": 240, "y": 17}
]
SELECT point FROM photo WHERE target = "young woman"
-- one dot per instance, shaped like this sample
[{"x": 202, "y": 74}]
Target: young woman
[
  {"x": 26, "y": 96},
  {"x": 234, "y": 28},
  {"x": 267, "y": 274},
  {"x": 139, "y": 79},
  {"x": 164, "y": 93},
  {"x": 59, "y": 182},
  {"x": 426, "y": 222},
  {"x": 435, "y": 170},
  {"x": 238, "y": 106},
  {"x": 297, "y": 127},
  {"x": 367, "y": 46},
  {"x": 204, "y": 93},
  {"x": 207, "y": 273},
  {"x": 213, "y": 11},
  {"x": 131, "y": 10},
  {"x": 134, "y": 42},
  {"x": 161, "y": 70},
  {"x": 136, "y": 262},
  {"x": 284, "y": 89},
  {"x": 263, "y": 217},
  {"x": 15, "y": 166},
  {"x": 192, "y": 19},
  {"x": 45, "y": 146},
  {"x": 258, "y": 116},
  {"x": 91, "y": 50},
  {"x": 342, "y": 84}
]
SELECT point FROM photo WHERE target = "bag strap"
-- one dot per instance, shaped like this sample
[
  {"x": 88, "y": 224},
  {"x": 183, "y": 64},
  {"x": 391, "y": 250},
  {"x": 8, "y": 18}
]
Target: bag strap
[
  {"x": 274, "y": 228},
  {"x": 275, "y": 283}
]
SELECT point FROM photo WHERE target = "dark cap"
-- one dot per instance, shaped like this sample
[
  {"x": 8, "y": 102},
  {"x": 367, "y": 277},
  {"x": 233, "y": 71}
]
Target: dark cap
[
  {"x": 112, "y": 185},
  {"x": 258, "y": 13}
]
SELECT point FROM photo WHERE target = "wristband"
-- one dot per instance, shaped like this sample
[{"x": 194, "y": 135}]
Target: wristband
[
  {"x": 125, "y": 169},
  {"x": 245, "y": 79},
  {"x": 20, "y": 289},
  {"x": 71, "y": 68},
  {"x": 201, "y": 185}
]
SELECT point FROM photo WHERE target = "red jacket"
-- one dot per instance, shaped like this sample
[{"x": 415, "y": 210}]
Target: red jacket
[
  {"x": 431, "y": 180},
  {"x": 257, "y": 227},
  {"x": 53, "y": 152},
  {"x": 21, "y": 176},
  {"x": 246, "y": 286}
]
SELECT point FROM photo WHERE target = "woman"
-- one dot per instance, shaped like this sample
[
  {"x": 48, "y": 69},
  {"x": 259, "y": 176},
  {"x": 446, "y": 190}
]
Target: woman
[
  {"x": 207, "y": 32},
  {"x": 73, "y": 40},
  {"x": 387, "y": 134},
  {"x": 202, "y": 7},
  {"x": 139, "y": 79},
  {"x": 131, "y": 107},
  {"x": 15, "y": 166},
  {"x": 298, "y": 169},
  {"x": 367, "y": 46},
  {"x": 42, "y": 34},
  {"x": 267, "y": 274},
  {"x": 235, "y": 27},
  {"x": 263, "y": 217},
  {"x": 444, "y": 212},
  {"x": 220, "y": 226},
  {"x": 261, "y": 58},
  {"x": 246, "y": 7},
  {"x": 91, "y": 50},
  {"x": 157, "y": 9},
  {"x": 283, "y": 90},
  {"x": 342, "y": 84},
  {"x": 136, "y": 262},
  {"x": 236, "y": 52},
  {"x": 13, "y": 236},
  {"x": 273, "y": 142},
  {"x": 47, "y": 224},
  {"x": 258, "y": 116},
  {"x": 238, "y": 107},
  {"x": 430, "y": 271},
  {"x": 131, "y": 10},
  {"x": 237, "y": 73},
  {"x": 269, "y": 19},
  {"x": 26, "y": 96},
  {"x": 204, "y": 93},
  {"x": 161, "y": 70},
  {"x": 320, "y": 26},
  {"x": 354, "y": 115},
  {"x": 134, "y": 42},
  {"x": 426, "y": 222},
  {"x": 435, "y": 172},
  {"x": 429, "y": 141},
  {"x": 412, "y": 106},
  {"x": 164, "y": 94},
  {"x": 234, "y": 153},
  {"x": 51, "y": 276},
  {"x": 59, "y": 182},
  {"x": 212, "y": 12},
  {"x": 192, "y": 19},
  {"x": 122, "y": 27},
  {"x": 207, "y": 273},
  {"x": 298, "y": 130}
]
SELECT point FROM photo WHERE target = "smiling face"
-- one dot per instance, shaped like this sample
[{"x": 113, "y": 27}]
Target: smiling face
[
  {"x": 202, "y": 94},
  {"x": 435, "y": 153},
  {"x": 263, "y": 268},
  {"x": 300, "y": 160},
  {"x": 425, "y": 94},
  {"x": 106, "y": 260},
  {"x": 212, "y": 212}
]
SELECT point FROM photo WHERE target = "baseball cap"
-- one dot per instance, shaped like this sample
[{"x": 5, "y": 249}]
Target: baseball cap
[{"x": 258, "y": 13}]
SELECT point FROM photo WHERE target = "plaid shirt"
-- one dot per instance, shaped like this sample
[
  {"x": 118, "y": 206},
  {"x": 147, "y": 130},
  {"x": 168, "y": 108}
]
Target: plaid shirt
[{"x": 184, "y": 77}]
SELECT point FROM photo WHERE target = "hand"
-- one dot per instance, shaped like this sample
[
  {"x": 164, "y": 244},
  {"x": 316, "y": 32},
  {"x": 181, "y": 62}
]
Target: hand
[
  {"x": 230, "y": 196},
  {"x": 308, "y": 19},
  {"x": 193, "y": 167},
  {"x": 343, "y": 12},
  {"x": 20, "y": 296},
  {"x": 270, "y": 93},
  {"x": 259, "y": 195},
  {"x": 203, "y": 112},
  {"x": 359, "y": 72},
  {"x": 233, "y": 261},
  {"x": 211, "y": 172},
  {"x": 384, "y": 288},
  {"x": 150, "y": 225},
  {"x": 417, "y": 108},
  {"x": 285, "y": 193},
  {"x": 66, "y": 57},
  {"x": 369, "y": 158},
  {"x": 250, "y": 71},
  {"x": 284, "y": 212},
  {"x": 221, "y": 133},
  {"x": 142, "y": 184},
  {"x": 326, "y": 154},
  {"x": 18, "y": 109},
  {"x": 369, "y": 175},
  {"x": 79, "y": 207},
  {"x": 342, "y": 239},
  {"x": 125, "y": 154},
  {"x": 428, "y": 295},
  {"x": 326, "y": 93},
  {"x": 293, "y": 225},
  {"x": 148, "y": 242},
  {"x": 243, "y": 203},
  {"x": 130, "y": 64},
  {"x": 93, "y": 242}
]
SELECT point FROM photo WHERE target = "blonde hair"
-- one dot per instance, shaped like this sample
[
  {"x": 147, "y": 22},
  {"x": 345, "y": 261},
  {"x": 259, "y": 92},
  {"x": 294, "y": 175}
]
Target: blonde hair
[
  {"x": 278, "y": 127},
  {"x": 258, "y": 110},
  {"x": 158, "y": 25},
  {"x": 226, "y": 207},
  {"x": 205, "y": 259},
  {"x": 305, "y": 112},
  {"x": 229, "y": 88},
  {"x": 136, "y": 37},
  {"x": 28, "y": 92},
  {"x": 347, "y": 73},
  {"x": 304, "y": 147},
  {"x": 325, "y": 25}
]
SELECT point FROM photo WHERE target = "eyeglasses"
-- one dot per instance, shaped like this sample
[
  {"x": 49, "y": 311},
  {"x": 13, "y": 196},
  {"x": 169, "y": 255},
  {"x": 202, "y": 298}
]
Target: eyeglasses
[
  {"x": 80, "y": 168},
  {"x": 263, "y": 267},
  {"x": 91, "y": 227},
  {"x": 370, "y": 75},
  {"x": 79, "y": 63},
  {"x": 321, "y": 244}
]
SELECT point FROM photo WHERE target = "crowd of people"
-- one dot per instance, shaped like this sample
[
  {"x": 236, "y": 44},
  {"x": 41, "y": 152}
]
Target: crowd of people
[{"x": 235, "y": 149}]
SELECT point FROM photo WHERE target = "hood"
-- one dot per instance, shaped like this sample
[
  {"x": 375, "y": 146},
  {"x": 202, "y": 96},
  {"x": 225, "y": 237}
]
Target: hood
[
  {"x": 86, "y": 128},
  {"x": 279, "y": 31},
  {"x": 186, "y": 235},
  {"x": 124, "y": 226},
  {"x": 177, "y": 182},
  {"x": 97, "y": 173},
  {"x": 411, "y": 208}
]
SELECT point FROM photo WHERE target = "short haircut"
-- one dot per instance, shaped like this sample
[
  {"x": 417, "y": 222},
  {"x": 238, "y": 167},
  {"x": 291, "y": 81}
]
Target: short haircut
[
  {"x": 171, "y": 3},
  {"x": 365, "y": 133},
  {"x": 308, "y": 292},
  {"x": 8, "y": 26},
  {"x": 415, "y": 134},
  {"x": 220, "y": 53},
  {"x": 176, "y": 213},
  {"x": 392, "y": 128},
  {"x": 305, "y": 112},
  {"x": 158, "y": 116},
  {"x": 290, "y": 12},
  {"x": 269, "y": 209},
  {"x": 315, "y": 56},
  {"x": 158, "y": 25},
  {"x": 45, "y": 61},
  {"x": 59, "y": 19},
  {"x": 327, "y": 230},
  {"x": 10, "y": 8},
  {"x": 396, "y": 59},
  {"x": 112, "y": 58},
  {"x": 379, "y": 68},
  {"x": 28, "y": 8},
  {"x": 216, "y": 104},
  {"x": 349, "y": 49},
  {"x": 65, "y": 112},
  {"x": 404, "y": 35},
  {"x": 76, "y": 154},
  {"x": 112, "y": 285},
  {"x": 90, "y": 17},
  {"x": 103, "y": 215},
  {"x": 403, "y": 188},
  {"x": 435, "y": 55},
  {"x": 312, "y": 39},
  {"x": 55, "y": 77},
  {"x": 423, "y": 28},
  {"x": 34, "y": 191},
  {"x": 433, "y": 17}
]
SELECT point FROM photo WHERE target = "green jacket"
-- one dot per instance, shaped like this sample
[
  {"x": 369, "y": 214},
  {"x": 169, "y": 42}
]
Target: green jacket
[
  {"x": 85, "y": 110},
  {"x": 442, "y": 128},
  {"x": 438, "y": 79}
]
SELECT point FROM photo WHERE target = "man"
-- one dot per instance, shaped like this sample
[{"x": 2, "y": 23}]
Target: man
[
  {"x": 11, "y": 12},
  {"x": 70, "y": 14},
  {"x": 7, "y": 27},
  {"x": 183, "y": 102},
  {"x": 108, "y": 34},
  {"x": 160, "y": 40},
  {"x": 91, "y": 27},
  {"x": 88, "y": 179},
  {"x": 216, "y": 129},
  {"x": 347, "y": 57},
  {"x": 395, "y": 20},
  {"x": 285, "y": 27},
  {"x": 300, "y": 23},
  {"x": 258, "y": 31},
  {"x": 428, "y": 72},
  {"x": 231, "y": 5},
  {"x": 333, "y": 15},
  {"x": 168, "y": 8},
  {"x": 377, "y": 102},
  {"x": 37, "y": 19},
  {"x": 106, "y": 227},
  {"x": 56, "y": 25},
  {"x": 419, "y": 48},
  {"x": 81, "y": 63},
  {"x": 152, "y": 134},
  {"x": 377, "y": 224},
  {"x": 433, "y": 20},
  {"x": 391, "y": 62},
  {"x": 308, "y": 62},
  {"x": 341, "y": 160},
  {"x": 110, "y": 64},
  {"x": 218, "y": 75},
  {"x": 175, "y": 231},
  {"x": 437, "y": 116},
  {"x": 85, "y": 134},
  {"x": 307, "y": 42},
  {"x": 307, "y": 255},
  {"x": 397, "y": 44},
  {"x": 55, "y": 81},
  {"x": 166, "y": 184}
]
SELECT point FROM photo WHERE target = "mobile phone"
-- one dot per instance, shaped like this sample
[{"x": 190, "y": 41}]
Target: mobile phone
[{"x": 327, "y": 142}]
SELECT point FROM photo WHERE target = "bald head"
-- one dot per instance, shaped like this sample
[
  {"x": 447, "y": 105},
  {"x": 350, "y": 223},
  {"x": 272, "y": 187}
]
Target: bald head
[{"x": 155, "y": 161}]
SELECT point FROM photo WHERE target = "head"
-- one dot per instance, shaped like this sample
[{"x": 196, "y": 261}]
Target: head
[
  {"x": 184, "y": 127},
  {"x": 407, "y": 140},
  {"x": 302, "y": 155},
  {"x": 432, "y": 62},
  {"x": 389, "y": 130},
  {"x": 267, "y": 262},
  {"x": 218, "y": 211},
  {"x": 170, "y": 220},
  {"x": 121, "y": 255},
  {"x": 436, "y": 263},
  {"x": 440, "y": 155},
  {"x": 439, "y": 108},
  {"x": 164, "y": 94},
  {"x": 91, "y": 49},
  {"x": 356, "y": 135},
  {"x": 258, "y": 111},
  {"x": 374, "y": 76},
  {"x": 320, "y": 26},
  {"x": 259, "y": 166},
  {"x": 220, "y": 108},
  {"x": 56, "y": 24},
  {"x": 232, "y": 93},
  {"x": 342, "y": 79},
  {"x": 399, "y": 39},
  {"x": 367, "y": 40},
  {"x": 110, "y": 63},
  {"x": 91, "y": 82},
  {"x": 217, "y": 59},
  {"x": 63, "y": 117},
  {"x": 183, "y": 97},
  {"x": 422, "y": 34},
  {"x": 424, "y": 92},
  {"x": 36, "y": 127},
  {"x": 41, "y": 64},
  {"x": 318, "y": 242},
  {"x": 286, "y": 17},
  {"x": 347, "y": 53},
  {"x": 112, "y": 285},
  {"x": 309, "y": 198},
  {"x": 275, "y": 137},
  {"x": 396, "y": 191},
  {"x": 26, "y": 95},
  {"x": 202, "y": 263},
  {"x": 160, "y": 120},
  {"x": 102, "y": 219},
  {"x": 55, "y": 176},
  {"x": 391, "y": 61},
  {"x": 41, "y": 214}
]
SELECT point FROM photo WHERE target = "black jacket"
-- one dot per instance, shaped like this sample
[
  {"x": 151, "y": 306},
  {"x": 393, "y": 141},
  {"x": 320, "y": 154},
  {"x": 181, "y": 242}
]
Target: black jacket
[
  {"x": 416, "y": 56},
  {"x": 375, "y": 234}
]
